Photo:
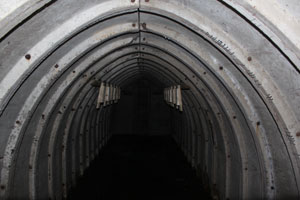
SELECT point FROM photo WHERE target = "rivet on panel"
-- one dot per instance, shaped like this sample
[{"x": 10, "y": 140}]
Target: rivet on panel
[
  {"x": 298, "y": 134},
  {"x": 56, "y": 66},
  {"x": 144, "y": 25},
  {"x": 132, "y": 1},
  {"x": 249, "y": 58},
  {"x": 221, "y": 67},
  {"x": 28, "y": 56}
]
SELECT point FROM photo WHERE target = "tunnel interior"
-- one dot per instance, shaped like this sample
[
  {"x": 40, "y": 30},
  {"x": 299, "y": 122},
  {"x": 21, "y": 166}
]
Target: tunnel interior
[
  {"x": 142, "y": 109},
  {"x": 140, "y": 167},
  {"x": 238, "y": 72}
]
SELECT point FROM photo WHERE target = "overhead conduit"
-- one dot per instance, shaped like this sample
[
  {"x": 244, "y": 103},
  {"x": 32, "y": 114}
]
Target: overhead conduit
[{"x": 240, "y": 122}]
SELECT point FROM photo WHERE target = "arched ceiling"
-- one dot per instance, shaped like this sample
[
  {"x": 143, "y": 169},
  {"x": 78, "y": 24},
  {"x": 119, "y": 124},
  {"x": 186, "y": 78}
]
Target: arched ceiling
[{"x": 243, "y": 97}]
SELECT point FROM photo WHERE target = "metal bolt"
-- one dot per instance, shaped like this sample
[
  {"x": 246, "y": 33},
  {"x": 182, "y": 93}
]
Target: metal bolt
[
  {"x": 221, "y": 67},
  {"x": 144, "y": 25},
  {"x": 56, "y": 66},
  {"x": 258, "y": 123},
  {"x": 28, "y": 56},
  {"x": 133, "y": 25},
  {"x": 249, "y": 58}
]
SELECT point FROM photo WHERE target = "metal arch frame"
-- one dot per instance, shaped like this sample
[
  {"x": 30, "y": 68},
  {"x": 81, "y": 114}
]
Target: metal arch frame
[{"x": 271, "y": 109}]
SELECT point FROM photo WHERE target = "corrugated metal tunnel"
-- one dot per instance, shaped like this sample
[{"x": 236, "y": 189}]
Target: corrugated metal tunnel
[{"x": 236, "y": 61}]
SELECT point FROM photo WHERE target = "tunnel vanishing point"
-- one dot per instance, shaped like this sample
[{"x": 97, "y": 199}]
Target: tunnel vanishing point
[{"x": 239, "y": 61}]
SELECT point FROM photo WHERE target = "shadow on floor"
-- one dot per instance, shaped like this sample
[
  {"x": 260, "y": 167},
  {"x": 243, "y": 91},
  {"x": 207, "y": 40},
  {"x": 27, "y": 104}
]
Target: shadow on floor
[{"x": 140, "y": 167}]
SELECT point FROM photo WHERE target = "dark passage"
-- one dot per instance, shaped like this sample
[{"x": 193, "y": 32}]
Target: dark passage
[{"x": 140, "y": 167}]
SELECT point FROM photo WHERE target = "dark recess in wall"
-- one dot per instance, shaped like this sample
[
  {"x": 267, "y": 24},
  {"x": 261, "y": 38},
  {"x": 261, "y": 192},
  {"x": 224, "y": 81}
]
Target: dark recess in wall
[{"x": 141, "y": 110}]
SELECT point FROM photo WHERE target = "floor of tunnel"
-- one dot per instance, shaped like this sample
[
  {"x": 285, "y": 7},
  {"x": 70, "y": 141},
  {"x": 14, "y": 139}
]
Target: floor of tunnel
[{"x": 140, "y": 167}]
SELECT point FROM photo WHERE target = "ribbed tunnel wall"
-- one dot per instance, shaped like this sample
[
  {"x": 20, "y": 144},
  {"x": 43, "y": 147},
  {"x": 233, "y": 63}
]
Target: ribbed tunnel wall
[{"x": 239, "y": 61}]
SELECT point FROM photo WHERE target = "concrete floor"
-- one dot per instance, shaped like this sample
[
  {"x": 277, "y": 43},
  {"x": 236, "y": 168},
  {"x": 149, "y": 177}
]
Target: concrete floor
[{"x": 140, "y": 167}]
